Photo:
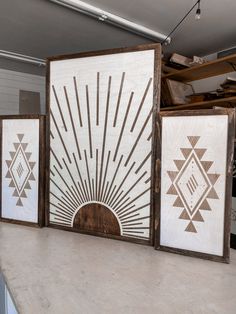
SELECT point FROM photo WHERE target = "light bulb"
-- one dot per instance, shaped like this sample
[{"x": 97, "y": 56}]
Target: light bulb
[{"x": 198, "y": 14}]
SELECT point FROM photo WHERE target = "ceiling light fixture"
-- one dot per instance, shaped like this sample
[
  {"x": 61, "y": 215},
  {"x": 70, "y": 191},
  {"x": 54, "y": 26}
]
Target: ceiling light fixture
[
  {"x": 197, "y": 17},
  {"x": 22, "y": 58},
  {"x": 198, "y": 12},
  {"x": 113, "y": 19}
]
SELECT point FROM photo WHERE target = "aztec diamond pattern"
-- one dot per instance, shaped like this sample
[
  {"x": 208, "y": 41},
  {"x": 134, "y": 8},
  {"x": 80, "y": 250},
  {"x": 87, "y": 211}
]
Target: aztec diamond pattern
[
  {"x": 20, "y": 170},
  {"x": 192, "y": 184}
]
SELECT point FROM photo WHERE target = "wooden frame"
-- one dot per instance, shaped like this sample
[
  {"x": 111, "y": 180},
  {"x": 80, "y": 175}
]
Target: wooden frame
[
  {"x": 228, "y": 187},
  {"x": 41, "y": 171},
  {"x": 156, "y": 109}
]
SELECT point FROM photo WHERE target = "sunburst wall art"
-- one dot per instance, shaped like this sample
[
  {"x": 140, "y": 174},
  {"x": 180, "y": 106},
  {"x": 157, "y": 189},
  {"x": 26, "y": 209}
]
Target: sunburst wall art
[
  {"x": 101, "y": 111},
  {"x": 20, "y": 169},
  {"x": 193, "y": 182}
]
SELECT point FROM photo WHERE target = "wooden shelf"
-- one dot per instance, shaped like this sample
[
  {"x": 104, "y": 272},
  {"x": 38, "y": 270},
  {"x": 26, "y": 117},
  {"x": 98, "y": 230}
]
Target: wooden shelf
[
  {"x": 223, "y": 102},
  {"x": 208, "y": 69}
]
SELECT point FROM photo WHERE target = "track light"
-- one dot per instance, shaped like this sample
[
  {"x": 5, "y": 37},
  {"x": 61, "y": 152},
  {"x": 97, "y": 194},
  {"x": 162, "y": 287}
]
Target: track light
[
  {"x": 113, "y": 19},
  {"x": 198, "y": 12},
  {"x": 20, "y": 57}
]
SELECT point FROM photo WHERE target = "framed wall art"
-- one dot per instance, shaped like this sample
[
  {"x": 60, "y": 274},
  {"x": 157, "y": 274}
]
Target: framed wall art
[
  {"x": 22, "y": 169},
  {"x": 103, "y": 108},
  {"x": 196, "y": 181},
  {"x": 233, "y": 216}
]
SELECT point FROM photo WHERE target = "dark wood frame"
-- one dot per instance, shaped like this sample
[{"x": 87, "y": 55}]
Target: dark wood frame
[
  {"x": 156, "y": 109},
  {"x": 41, "y": 175},
  {"x": 228, "y": 186}
]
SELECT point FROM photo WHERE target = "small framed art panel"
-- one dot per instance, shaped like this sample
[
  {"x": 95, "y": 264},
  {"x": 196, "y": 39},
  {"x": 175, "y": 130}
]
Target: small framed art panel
[
  {"x": 103, "y": 108},
  {"x": 22, "y": 168},
  {"x": 196, "y": 180}
]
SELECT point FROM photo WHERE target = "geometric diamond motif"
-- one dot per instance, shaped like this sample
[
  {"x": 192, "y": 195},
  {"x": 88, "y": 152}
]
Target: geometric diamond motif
[
  {"x": 192, "y": 184},
  {"x": 20, "y": 170}
]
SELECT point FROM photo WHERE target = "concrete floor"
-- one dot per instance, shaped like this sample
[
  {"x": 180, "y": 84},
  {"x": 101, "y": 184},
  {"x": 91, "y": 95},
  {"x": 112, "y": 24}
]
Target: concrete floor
[{"x": 53, "y": 271}]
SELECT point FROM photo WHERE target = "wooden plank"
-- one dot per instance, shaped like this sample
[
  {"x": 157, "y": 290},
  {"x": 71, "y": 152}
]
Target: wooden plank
[
  {"x": 223, "y": 102},
  {"x": 208, "y": 69}
]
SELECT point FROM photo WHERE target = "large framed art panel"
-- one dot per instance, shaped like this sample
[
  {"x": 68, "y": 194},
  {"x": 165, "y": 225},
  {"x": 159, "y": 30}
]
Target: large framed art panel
[
  {"x": 196, "y": 181},
  {"x": 103, "y": 107},
  {"x": 22, "y": 169}
]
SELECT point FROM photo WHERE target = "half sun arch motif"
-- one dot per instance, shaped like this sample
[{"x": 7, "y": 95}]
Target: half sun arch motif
[
  {"x": 192, "y": 184},
  {"x": 100, "y": 151}
]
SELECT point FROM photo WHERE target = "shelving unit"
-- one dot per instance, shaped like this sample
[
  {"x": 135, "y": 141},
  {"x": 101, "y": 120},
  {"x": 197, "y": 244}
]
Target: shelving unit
[{"x": 209, "y": 69}]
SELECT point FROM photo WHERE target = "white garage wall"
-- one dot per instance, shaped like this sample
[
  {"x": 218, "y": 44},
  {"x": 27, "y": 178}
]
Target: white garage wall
[{"x": 12, "y": 82}]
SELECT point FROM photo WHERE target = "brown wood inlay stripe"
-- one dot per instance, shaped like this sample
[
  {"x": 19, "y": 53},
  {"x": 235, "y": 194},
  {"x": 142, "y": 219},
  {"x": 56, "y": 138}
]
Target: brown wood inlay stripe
[
  {"x": 138, "y": 137},
  {"x": 125, "y": 177},
  {"x": 137, "y": 197},
  {"x": 89, "y": 123},
  {"x": 113, "y": 179},
  {"x": 69, "y": 200},
  {"x": 77, "y": 193},
  {"x": 141, "y": 104},
  {"x": 105, "y": 175},
  {"x": 72, "y": 178},
  {"x": 75, "y": 198},
  {"x": 131, "y": 188},
  {"x": 133, "y": 224},
  {"x": 123, "y": 126},
  {"x": 72, "y": 122},
  {"x": 119, "y": 98},
  {"x": 130, "y": 232},
  {"x": 97, "y": 105},
  {"x": 63, "y": 214},
  {"x": 57, "y": 206},
  {"x": 135, "y": 215},
  {"x": 117, "y": 197},
  {"x": 126, "y": 200},
  {"x": 108, "y": 201},
  {"x": 58, "y": 131},
  {"x": 88, "y": 175},
  {"x": 58, "y": 224},
  {"x": 93, "y": 188},
  {"x": 71, "y": 209},
  {"x": 105, "y": 191},
  {"x": 125, "y": 213},
  {"x": 149, "y": 179},
  {"x": 77, "y": 101},
  {"x": 80, "y": 177},
  {"x": 104, "y": 134},
  {"x": 59, "y": 107},
  {"x": 55, "y": 156},
  {"x": 52, "y": 173},
  {"x": 137, "y": 219},
  {"x": 149, "y": 137},
  {"x": 96, "y": 178},
  {"x": 61, "y": 218},
  {"x": 87, "y": 191},
  {"x": 135, "y": 228},
  {"x": 81, "y": 191},
  {"x": 143, "y": 162}
]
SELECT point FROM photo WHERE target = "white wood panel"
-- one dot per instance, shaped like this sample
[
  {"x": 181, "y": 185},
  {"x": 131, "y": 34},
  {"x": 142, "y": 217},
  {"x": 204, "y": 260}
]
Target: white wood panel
[
  {"x": 193, "y": 183},
  {"x": 103, "y": 139},
  {"x": 20, "y": 169}
]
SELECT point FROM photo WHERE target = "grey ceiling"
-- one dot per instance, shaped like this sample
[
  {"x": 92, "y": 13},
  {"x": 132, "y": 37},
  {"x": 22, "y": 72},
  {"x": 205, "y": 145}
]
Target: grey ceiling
[{"x": 40, "y": 28}]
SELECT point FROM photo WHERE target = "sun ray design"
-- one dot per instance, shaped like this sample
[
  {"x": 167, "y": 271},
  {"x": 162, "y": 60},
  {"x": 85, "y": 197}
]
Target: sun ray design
[
  {"x": 20, "y": 169},
  {"x": 192, "y": 184},
  {"x": 100, "y": 154}
]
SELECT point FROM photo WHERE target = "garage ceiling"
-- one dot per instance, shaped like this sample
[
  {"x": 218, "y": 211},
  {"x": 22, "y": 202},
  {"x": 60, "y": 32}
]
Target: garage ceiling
[{"x": 40, "y": 28}]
